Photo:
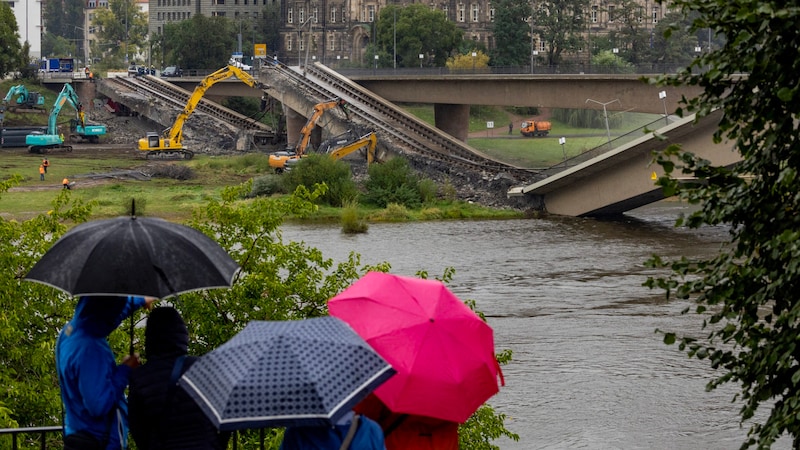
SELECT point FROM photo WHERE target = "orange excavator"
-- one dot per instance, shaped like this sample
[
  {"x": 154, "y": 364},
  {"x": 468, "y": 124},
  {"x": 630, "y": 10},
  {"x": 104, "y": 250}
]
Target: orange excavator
[{"x": 278, "y": 160}]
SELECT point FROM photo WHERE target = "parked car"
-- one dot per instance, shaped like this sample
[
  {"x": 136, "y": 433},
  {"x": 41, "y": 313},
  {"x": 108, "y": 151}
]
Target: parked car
[{"x": 172, "y": 71}]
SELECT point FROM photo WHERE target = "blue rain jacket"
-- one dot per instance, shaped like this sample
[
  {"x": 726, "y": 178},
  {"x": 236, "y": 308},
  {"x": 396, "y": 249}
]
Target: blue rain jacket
[
  {"x": 92, "y": 384},
  {"x": 369, "y": 436}
]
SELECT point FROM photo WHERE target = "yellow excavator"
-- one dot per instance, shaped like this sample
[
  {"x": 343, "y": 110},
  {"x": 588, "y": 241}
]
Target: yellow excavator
[
  {"x": 278, "y": 160},
  {"x": 344, "y": 144},
  {"x": 169, "y": 146}
]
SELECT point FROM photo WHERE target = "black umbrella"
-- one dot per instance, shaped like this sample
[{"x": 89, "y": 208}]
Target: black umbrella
[
  {"x": 291, "y": 373},
  {"x": 134, "y": 256}
]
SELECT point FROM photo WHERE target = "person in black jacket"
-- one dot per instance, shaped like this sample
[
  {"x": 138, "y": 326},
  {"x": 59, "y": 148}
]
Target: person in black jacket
[{"x": 161, "y": 414}]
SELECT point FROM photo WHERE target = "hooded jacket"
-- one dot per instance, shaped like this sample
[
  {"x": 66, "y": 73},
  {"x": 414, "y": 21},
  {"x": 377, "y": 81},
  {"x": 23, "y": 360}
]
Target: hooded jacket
[
  {"x": 92, "y": 384},
  {"x": 164, "y": 417}
]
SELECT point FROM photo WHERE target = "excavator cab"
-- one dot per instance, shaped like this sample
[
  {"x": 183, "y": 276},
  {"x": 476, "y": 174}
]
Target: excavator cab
[{"x": 152, "y": 139}]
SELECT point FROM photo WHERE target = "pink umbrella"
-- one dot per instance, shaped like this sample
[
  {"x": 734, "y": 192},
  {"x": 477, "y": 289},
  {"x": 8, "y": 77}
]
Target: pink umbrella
[{"x": 443, "y": 352}]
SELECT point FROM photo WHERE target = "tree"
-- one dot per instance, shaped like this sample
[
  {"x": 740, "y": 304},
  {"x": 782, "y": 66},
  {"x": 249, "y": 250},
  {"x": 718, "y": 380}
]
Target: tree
[
  {"x": 465, "y": 61},
  {"x": 200, "y": 42},
  {"x": 62, "y": 18},
  {"x": 121, "y": 30},
  {"x": 511, "y": 33},
  {"x": 676, "y": 50},
  {"x": 10, "y": 59},
  {"x": 560, "y": 25},
  {"x": 747, "y": 295},
  {"x": 269, "y": 27},
  {"x": 419, "y": 30}
]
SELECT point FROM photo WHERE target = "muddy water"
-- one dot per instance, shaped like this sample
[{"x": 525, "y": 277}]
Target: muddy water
[{"x": 566, "y": 296}]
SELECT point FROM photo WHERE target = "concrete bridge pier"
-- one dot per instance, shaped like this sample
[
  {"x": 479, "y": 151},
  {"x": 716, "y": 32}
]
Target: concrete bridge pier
[
  {"x": 452, "y": 119},
  {"x": 294, "y": 124}
]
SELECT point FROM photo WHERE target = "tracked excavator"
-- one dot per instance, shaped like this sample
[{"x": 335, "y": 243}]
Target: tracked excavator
[
  {"x": 278, "y": 160},
  {"x": 38, "y": 142},
  {"x": 20, "y": 99},
  {"x": 169, "y": 145},
  {"x": 348, "y": 142}
]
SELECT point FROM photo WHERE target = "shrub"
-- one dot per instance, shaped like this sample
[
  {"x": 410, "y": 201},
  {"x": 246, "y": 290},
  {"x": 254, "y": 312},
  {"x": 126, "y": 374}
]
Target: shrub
[
  {"x": 174, "y": 171},
  {"x": 351, "y": 222},
  {"x": 318, "y": 169},
  {"x": 267, "y": 185},
  {"x": 392, "y": 182}
]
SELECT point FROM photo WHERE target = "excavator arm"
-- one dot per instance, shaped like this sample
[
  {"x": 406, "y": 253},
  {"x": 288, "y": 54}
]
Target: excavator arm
[
  {"x": 319, "y": 108},
  {"x": 176, "y": 131},
  {"x": 369, "y": 140}
]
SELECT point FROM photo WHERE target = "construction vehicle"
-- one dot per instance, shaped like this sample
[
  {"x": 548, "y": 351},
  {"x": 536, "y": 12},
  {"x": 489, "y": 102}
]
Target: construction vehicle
[
  {"x": 43, "y": 142},
  {"x": 531, "y": 128},
  {"x": 169, "y": 145},
  {"x": 278, "y": 160},
  {"x": 19, "y": 98},
  {"x": 340, "y": 146}
]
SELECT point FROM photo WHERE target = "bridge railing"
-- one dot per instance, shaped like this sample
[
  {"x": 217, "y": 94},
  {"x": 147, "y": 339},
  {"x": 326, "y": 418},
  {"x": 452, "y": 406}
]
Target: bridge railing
[
  {"x": 562, "y": 69},
  {"x": 601, "y": 149}
]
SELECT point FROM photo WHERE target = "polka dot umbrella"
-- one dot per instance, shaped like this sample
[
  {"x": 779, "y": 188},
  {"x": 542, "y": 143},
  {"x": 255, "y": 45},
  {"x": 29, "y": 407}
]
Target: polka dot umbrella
[{"x": 291, "y": 373}]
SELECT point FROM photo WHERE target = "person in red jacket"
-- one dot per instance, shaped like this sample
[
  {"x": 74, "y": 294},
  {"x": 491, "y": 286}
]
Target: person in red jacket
[{"x": 410, "y": 432}]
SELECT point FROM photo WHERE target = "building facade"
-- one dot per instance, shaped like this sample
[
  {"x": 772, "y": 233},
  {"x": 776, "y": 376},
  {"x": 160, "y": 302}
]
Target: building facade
[{"x": 29, "y": 22}]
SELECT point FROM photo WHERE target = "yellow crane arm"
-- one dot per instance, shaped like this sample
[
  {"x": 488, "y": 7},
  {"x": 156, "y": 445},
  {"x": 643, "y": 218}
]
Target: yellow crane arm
[
  {"x": 370, "y": 140},
  {"x": 305, "y": 132},
  {"x": 176, "y": 131}
]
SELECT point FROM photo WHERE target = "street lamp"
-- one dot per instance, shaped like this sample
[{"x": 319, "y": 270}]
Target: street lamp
[
  {"x": 473, "y": 61},
  {"x": 420, "y": 60},
  {"x": 663, "y": 96},
  {"x": 376, "y": 63},
  {"x": 562, "y": 140},
  {"x": 615, "y": 51},
  {"x": 535, "y": 56},
  {"x": 605, "y": 114}
]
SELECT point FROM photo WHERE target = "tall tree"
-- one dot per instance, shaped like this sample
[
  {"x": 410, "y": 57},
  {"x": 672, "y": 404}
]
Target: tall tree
[
  {"x": 269, "y": 27},
  {"x": 672, "y": 44},
  {"x": 122, "y": 30},
  {"x": 560, "y": 25},
  {"x": 420, "y": 30},
  {"x": 10, "y": 58},
  {"x": 63, "y": 18},
  {"x": 200, "y": 42},
  {"x": 748, "y": 296},
  {"x": 511, "y": 33}
]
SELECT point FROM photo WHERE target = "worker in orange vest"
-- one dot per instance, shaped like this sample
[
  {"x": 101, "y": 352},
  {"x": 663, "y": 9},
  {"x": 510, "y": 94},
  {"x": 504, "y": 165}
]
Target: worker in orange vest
[
  {"x": 41, "y": 172},
  {"x": 65, "y": 183},
  {"x": 46, "y": 164}
]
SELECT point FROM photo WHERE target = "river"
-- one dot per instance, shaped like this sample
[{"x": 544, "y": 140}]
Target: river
[{"x": 566, "y": 296}]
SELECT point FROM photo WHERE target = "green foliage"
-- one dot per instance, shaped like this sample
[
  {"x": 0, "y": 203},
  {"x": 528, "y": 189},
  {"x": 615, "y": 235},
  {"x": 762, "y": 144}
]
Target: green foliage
[
  {"x": 352, "y": 222},
  {"x": 190, "y": 45},
  {"x": 10, "y": 58},
  {"x": 247, "y": 106},
  {"x": 121, "y": 31},
  {"x": 392, "y": 182},
  {"x": 268, "y": 185},
  {"x": 747, "y": 295},
  {"x": 316, "y": 169},
  {"x": 481, "y": 428},
  {"x": 466, "y": 62},
  {"x": 511, "y": 33},
  {"x": 560, "y": 24},
  {"x": 419, "y": 30},
  {"x": 59, "y": 20}
]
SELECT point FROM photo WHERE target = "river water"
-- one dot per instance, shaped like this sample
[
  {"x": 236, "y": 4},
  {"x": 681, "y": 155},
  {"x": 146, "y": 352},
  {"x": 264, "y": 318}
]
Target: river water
[{"x": 566, "y": 296}]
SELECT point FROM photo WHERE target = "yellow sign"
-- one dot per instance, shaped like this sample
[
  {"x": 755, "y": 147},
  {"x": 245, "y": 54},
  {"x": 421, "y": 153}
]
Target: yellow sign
[{"x": 260, "y": 50}]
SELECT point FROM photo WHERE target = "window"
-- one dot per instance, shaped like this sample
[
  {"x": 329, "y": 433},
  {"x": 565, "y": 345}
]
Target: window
[
  {"x": 491, "y": 13},
  {"x": 594, "y": 14},
  {"x": 475, "y": 12},
  {"x": 639, "y": 14},
  {"x": 288, "y": 43},
  {"x": 344, "y": 14},
  {"x": 611, "y": 13},
  {"x": 301, "y": 16},
  {"x": 371, "y": 13},
  {"x": 655, "y": 14},
  {"x": 333, "y": 14},
  {"x": 289, "y": 15},
  {"x": 542, "y": 47},
  {"x": 301, "y": 43},
  {"x": 332, "y": 41},
  {"x": 315, "y": 15},
  {"x": 446, "y": 10},
  {"x": 461, "y": 12}
]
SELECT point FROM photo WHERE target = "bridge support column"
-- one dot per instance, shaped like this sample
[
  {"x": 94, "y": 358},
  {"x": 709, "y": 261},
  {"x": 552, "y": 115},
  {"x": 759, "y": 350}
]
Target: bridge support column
[
  {"x": 452, "y": 119},
  {"x": 294, "y": 124}
]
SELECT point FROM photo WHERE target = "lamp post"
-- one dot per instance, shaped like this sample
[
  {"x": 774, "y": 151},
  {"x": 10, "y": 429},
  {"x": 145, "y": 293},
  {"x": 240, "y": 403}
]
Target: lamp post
[
  {"x": 615, "y": 51},
  {"x": 605, "y": 114},
  {"x": 562, "y": 140},
  {"x": 663, "y": 96},
  {"x": 84, "y": 41},
  {"x": 474, "y": 54},
  {"x": 420, "y": 60},
  {"x": 534, "y": 57},
  {"x": 376, "y": 63}
]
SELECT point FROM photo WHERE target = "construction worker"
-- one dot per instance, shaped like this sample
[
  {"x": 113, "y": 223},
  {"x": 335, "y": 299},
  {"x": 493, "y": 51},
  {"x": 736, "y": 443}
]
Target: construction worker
[
  {"x": 45, "y": 164},
  {"x": 81, "y": 115},
  {"x": 41, "y": 172},
  {"x": 65, "y": 183}
]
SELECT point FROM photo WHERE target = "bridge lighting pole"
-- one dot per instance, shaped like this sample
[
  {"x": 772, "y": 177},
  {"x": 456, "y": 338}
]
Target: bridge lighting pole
[
  {"x": 474, "y": 54},
  {"x": 376, "y": 63},
  {"x": 605, "y": 114},
  {"x": 663, "y": 96},
  {"x": 562, "y": 140},
  {"x": 615, "y": 51},
  {"x": 420, "y": 60}
]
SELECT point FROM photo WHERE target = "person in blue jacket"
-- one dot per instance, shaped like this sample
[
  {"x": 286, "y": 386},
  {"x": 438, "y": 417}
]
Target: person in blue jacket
[
  {"x": 92, "y": 384},
  {"x": 363, "y": 434}
]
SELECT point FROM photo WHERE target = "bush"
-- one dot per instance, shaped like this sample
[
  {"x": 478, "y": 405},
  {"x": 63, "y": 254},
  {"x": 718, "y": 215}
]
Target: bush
[
  {"x": 351, "y": 222},
  {"x": 392, "y": 182},
  {"x": 318, "y": 169},
  {"x": 268, "y": 185},
  {"x": 174, "y": 171}
]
